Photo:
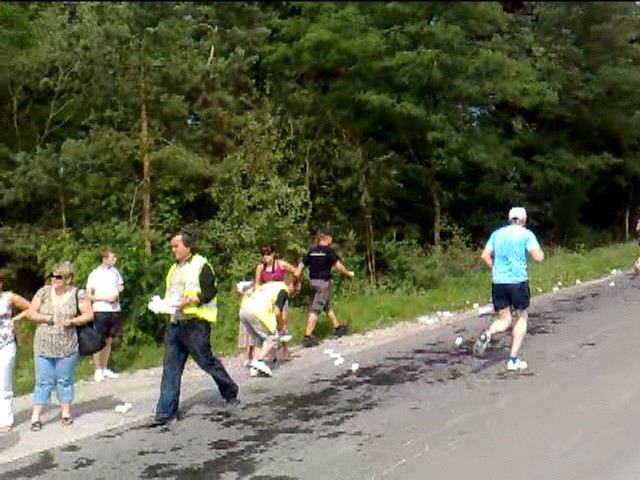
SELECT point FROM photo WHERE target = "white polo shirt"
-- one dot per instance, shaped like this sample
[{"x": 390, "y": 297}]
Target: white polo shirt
[{"x": 104, "y": 281}]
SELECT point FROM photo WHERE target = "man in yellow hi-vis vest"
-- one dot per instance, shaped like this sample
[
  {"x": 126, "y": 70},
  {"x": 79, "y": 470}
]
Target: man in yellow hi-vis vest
[
  {"x": 190, "y": 285},
  {"x": 259, "y": 314}
]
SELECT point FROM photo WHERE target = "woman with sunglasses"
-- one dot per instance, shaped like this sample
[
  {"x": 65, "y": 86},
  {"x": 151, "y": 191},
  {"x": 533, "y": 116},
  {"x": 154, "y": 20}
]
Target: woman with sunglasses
[
  {"x": 8, "y": 301},
  {"x": 58, "y": 308}
]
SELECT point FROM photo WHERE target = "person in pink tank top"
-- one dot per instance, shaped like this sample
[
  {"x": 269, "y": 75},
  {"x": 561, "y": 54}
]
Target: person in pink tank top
[{"x": 270, "y": 269}]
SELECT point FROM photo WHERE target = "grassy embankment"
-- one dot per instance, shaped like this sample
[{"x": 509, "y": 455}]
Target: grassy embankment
[{"x": 365, "y": 310}]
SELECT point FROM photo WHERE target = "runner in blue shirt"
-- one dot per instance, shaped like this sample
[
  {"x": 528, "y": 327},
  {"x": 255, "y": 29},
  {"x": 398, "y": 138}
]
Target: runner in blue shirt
[{"x": 506, "y": 255}]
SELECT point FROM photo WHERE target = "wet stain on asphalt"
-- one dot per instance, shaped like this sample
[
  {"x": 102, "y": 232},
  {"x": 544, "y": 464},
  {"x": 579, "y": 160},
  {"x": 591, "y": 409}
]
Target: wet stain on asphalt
[
  {"x": 539, "y": 330},
  {"x": 265, "y": 477},
  {"x": 44, "y": 464},
  {"x": 328, "y": 403},
  {"x": 70, "y": 448},
  {"x": 333, "y": 402},
  {"x": 113, "y": 435},
  {"x": 160, "y": 470},
  {"x": 143, "y": 453},
  {"x": 83, "y": 462},
  {"x": 221, "y": 444}
]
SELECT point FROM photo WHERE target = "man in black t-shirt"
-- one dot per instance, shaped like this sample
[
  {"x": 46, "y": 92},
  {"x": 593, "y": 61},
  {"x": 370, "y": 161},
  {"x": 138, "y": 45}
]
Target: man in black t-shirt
[{"x": 321, "y": 260}]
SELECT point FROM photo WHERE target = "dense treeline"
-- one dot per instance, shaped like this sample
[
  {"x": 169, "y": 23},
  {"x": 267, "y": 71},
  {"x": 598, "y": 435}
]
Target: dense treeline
[{"x": 407, "y": 127}]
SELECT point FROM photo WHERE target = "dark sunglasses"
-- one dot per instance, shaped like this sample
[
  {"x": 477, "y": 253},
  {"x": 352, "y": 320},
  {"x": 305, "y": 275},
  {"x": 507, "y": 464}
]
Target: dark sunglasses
[{"x": 57, "y": 277}]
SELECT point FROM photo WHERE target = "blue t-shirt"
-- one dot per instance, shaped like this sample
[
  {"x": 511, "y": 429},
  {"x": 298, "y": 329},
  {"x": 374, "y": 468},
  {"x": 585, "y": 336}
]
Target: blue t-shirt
[{"x": 510, "y": 245}]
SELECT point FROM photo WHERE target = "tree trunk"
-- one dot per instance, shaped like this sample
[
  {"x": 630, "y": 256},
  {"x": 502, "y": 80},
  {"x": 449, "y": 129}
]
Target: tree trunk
[
  {"x": 63, "y": 208},
  {"x": 14, "y": 105},
  {"x": 437, "y": 213},
  {"x": 371, "y": 254},
  {"x": 627, "y": 219},
  {"x": 627, "y": 216},
  {"x": 61, "y": 197},
  {"x": 146, "y": 165},
  {"x": 368, "y": 223}
]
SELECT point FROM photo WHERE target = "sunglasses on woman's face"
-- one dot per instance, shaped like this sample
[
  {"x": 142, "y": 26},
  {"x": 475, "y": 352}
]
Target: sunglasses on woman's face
[{"x": 56, "y": 276}]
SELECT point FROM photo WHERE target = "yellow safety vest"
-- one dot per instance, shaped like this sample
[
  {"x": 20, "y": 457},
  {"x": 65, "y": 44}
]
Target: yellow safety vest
[
  {"x": 206, "y": 311},
  {"x": 261, "y": 303}
]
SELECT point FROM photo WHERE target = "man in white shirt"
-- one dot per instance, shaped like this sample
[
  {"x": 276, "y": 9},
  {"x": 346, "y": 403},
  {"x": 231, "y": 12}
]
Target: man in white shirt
[{"x": 104, "y": 286}]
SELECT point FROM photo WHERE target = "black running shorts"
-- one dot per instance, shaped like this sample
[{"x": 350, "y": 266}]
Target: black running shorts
[{"x": 516, "y": 295}]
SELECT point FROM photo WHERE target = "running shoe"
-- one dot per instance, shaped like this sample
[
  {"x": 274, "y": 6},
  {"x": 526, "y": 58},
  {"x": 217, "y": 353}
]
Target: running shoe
[
  {"x": 310, "y": 341},
  {"x": 517, "y": 364},
  {"x": 482, "y": 343},
  {"x": 340, "y": 330},
  {"x": 109, "y": 374},
  {"x": 261, "y": 367}
]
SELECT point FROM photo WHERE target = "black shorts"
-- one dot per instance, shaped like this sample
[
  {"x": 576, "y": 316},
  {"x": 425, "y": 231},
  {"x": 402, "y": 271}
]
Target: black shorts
[
  {"x": 516, "y": 295},
  {"x": 108, "y": 323}
]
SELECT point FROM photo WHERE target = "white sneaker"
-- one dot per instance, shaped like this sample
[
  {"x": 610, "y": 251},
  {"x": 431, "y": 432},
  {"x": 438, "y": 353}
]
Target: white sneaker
[
  {"x": 516, "y": 365},
  {"x": 261, "y": 367},
  {"x": 109, "y": 374},
  {"x": 98, "y": 376},
  {"x": 253, "y": 372},
  {"x": 285, "y": 338}
]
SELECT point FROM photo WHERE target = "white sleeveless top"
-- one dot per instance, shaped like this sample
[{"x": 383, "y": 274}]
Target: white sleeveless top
[{"x": 6, "y": 333}]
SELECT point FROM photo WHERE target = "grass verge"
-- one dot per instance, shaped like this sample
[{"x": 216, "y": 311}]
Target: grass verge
[{"x": 367, "y": 309}]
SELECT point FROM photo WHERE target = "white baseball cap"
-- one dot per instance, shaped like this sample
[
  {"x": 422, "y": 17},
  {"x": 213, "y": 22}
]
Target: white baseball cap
[{"x": 518, "y": 213}]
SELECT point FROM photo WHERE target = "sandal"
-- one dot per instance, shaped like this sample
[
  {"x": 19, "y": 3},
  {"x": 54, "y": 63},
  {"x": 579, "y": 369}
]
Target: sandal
[
  {"x": 36, "y": 426},
  {"x": 66, "y": 421}
]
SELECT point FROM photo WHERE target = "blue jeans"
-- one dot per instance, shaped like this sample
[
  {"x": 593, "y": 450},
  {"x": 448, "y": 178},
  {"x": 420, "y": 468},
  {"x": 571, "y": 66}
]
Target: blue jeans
[
  {"x": 58, "y": 371},
  {"x": 186, "y": 337}
]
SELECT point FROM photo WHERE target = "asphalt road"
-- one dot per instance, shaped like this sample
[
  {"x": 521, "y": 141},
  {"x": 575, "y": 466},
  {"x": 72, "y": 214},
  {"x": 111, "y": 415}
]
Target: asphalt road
[{"x": 417, "y": 408}]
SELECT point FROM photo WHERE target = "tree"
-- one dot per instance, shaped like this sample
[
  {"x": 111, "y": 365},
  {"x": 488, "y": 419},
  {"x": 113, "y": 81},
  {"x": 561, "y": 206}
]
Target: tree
[{"x": 403, "y": 79}]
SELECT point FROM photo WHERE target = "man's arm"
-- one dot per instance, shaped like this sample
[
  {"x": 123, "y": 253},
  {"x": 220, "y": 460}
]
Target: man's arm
[
  {"x": 341, "y": 268},
  {"x": 537, "y": 254},
  {"x": 304, "y": 261},
  {"x": 119, "y": 282},
  {"x": 533, "y": 247},
  {"x": 207, "y": 289},
  {"x": 91, "y": 289},
  {"x": 487, "y": 256},
  {"x": 337, "y": 264}
]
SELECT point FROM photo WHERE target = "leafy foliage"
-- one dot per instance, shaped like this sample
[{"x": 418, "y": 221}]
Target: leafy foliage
[{"x": 408, "y": 128}]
